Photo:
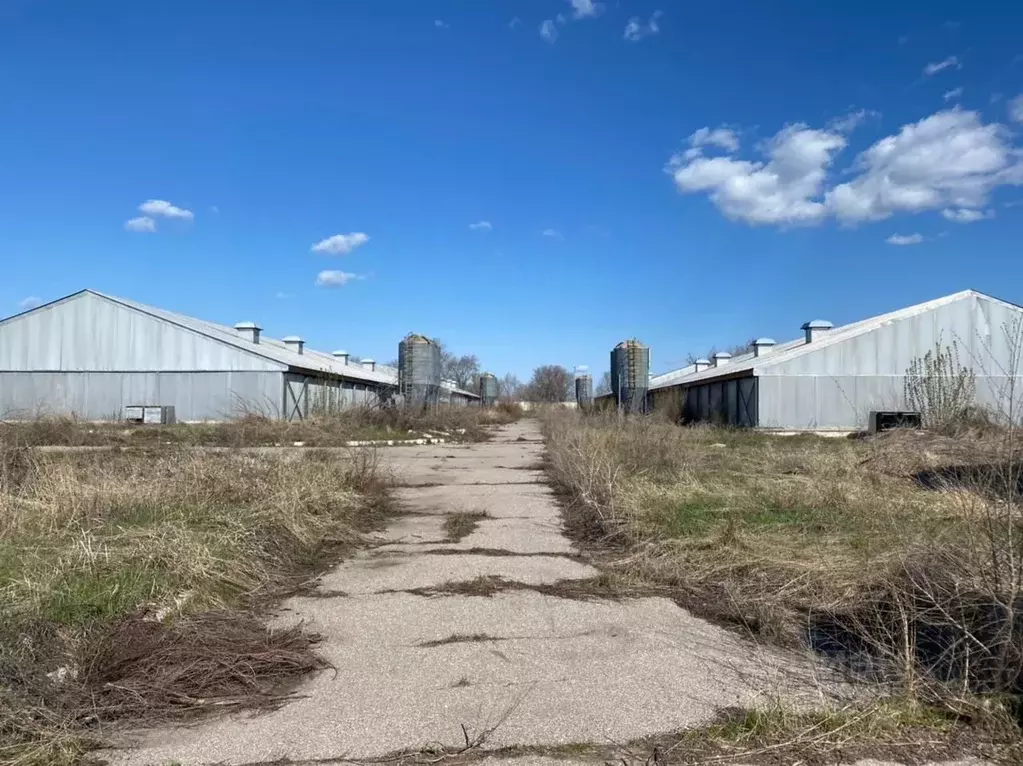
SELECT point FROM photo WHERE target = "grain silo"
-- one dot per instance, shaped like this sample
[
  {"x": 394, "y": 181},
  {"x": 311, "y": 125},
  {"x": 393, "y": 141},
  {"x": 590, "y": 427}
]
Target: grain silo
[
  {"x": 419, "y": 371},
  {"x": 630, "y": 375},
  {"x": 488, "y": 390},
  {"x": 584, "y": 391}
]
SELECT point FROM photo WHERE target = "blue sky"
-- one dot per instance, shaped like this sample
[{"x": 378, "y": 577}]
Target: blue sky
[{"x": 689, "y": 174}]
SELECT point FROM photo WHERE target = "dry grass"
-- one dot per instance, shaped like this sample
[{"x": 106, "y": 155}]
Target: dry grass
[
  {"x": 899, "y": 555},
  {"x": 129, "y": 580},
  {"x": 462, "y": 524},
  {"x": 250, "y": 429}
]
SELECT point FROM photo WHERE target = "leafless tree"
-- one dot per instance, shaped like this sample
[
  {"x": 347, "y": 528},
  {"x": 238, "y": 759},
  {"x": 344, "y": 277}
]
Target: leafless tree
[
  {"x": 604, "y": 387},
  {"x": 509, "y": 388},
  {"x": 550, "y": 383},
  {"x": 463, "y": 370}
]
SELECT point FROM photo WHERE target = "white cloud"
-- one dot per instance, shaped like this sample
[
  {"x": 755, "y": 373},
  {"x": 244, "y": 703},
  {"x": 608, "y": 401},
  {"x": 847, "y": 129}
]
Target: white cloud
[
  {"x": 549, "y": 32},
  {"x": 161, "y": 208},
  {"x": 284, "y": 296},
  {"x": 783, "y": 190},
  {"x": 848, "y": 123},
  {"x": 905, "y": 239},
  {"x": 947, "y": 160},
  {"x": 330, "y": 278},
  {"x": 1016, "y": 109},
  {"x": 515, "y": 22},
  {"x": 950, "y": 159},
  {"x": 214, "y": 209},
  {"x": 341, "y": 244},
  {"x": 29, "y": 303},
  {"x": 636, "y": 30},
  {"x": 561, "y": 19},
  {"x": 951, "y": 95},
  {"x": 143, "y": 224},
  {"x": 723, "y": 138},
  {"x": 966, "y": 215},
  {"x": 937, "y": 66},
  {"x": 552, "y": 233},
  {"x": 585, "y": 9},
  {"x": 441, "y": 24},
  {"x": 481, "y": 226}
]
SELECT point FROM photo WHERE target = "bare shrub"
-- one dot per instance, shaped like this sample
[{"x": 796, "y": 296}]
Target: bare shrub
[{"x": 941, "y": 389}]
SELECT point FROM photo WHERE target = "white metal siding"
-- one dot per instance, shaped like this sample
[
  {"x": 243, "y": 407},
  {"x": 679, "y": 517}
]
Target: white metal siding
[
  {"x": 845, "y": 402},
  {"x": 104, "y": 395},
  {"x": 837, "y": 386}
]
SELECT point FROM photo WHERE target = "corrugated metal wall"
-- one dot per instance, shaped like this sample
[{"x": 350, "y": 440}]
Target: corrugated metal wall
[
  {"x": 845, "y": 402},
  {"x": 724, "y": 402},
  {"x": 103, "y": 395},
  {"x": 838, "y": 385},
  {"x": 89, "y": 333}
]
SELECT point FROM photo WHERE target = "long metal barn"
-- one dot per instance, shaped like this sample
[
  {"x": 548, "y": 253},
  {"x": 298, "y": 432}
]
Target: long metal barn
[
  {"x": 94, "y": 355},
  {"x": 832, "y": 378}
]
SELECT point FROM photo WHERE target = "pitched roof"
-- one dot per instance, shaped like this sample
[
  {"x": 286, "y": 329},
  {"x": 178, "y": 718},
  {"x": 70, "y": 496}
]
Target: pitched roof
[
  {"x": 783, "y": 352},
  {"x": 268, "y": 348}
]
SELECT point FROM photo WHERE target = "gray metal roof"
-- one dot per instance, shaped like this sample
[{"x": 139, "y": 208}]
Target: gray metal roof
[
  {"x": 667, "y": 378},
  {"x": 268, "y": 348},
  {"x": 784, "y": 352}
]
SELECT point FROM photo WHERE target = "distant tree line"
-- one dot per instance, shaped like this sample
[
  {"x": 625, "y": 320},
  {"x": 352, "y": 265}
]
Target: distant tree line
[{"x": 550, "y": 383}]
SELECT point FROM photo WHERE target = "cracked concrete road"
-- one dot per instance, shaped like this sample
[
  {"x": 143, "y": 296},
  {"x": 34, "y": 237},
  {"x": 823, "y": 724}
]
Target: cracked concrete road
[{"x": 541, "y": 670}]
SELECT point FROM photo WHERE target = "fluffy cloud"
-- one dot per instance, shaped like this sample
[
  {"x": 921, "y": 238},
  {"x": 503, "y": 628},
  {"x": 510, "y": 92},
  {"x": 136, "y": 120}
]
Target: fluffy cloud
[
  {"x": 723, "y": 138},
  {"x": 341, "y": 244},
  {"x": 549, "y": 31},
  {"x": 584, "y": 9},
  {"x": 330, "y": 278},
  {"x": 636, "y": 30},
  {"x": 161, "y": 208},
  {"x": 950, "y": 159},
  {"x": 552, "y": 233},
  {"x": 1016, "y": 109},
  {"x": 29, "y": 303},
  {"x": 966, "y": 215},
  {"x": 782, "y": 190},
  {"x": 142, "y": 224},
  {"x": 905, "y": 239},
  {"x": 481, "y": 226},
  {"x": 938, "y": 66},
  {"x": 951, "y": 95},
  {"x": 441, "y": 24}
]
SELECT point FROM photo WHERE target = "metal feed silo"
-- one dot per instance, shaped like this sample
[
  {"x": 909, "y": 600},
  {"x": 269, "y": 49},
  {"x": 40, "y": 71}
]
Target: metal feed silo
[
  {"x": 419, "y": 371},
  {"x": 584, "y": 391},
  {"x": 488, "y": 390},
  {"x": 630, "y": 375}
]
